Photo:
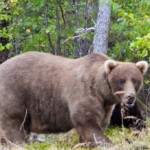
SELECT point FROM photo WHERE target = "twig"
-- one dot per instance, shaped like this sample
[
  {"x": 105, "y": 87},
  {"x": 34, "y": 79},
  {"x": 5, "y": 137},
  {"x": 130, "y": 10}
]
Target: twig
[
  {"x": 21, "y": 126},
  {"x": 94, "y": 22},
  {"x": 97, "y": 142},
  {"x": 58, "y": 27},
  {"x": 85, "y": 30},
  {"x": 62, "y": 14},
  {"x": 46, "y": 24},
  {"x": 122, "y": 116},
  {"x": 81, "y": 32},
  {"x": 119, "y": 92},
  {"x": 78, "y": 36},
  {"x": 17, "y": 146},
  {"x": 131, "y": 117}
]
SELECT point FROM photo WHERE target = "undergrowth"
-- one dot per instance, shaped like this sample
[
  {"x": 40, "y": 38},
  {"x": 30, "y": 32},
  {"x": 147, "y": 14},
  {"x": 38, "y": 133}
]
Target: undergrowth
[{"x": 123, "y": 139}]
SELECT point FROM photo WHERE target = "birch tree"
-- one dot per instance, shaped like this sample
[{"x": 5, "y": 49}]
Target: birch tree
[{"x": 100, "y": 42}]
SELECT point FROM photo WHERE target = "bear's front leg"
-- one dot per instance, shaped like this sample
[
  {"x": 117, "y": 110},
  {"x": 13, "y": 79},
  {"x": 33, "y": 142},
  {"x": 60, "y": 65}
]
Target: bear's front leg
[
  {"x": 87, "y": 120},
  {"x": 108, "y": 113}
]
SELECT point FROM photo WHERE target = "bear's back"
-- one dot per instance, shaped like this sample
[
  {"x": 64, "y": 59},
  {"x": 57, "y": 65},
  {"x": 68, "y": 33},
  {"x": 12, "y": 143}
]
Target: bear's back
[{"x": 31, "y": 81}]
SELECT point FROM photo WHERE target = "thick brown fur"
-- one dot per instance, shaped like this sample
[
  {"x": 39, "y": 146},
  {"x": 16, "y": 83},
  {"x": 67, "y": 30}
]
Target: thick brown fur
[{"x": 43, "y": 93}]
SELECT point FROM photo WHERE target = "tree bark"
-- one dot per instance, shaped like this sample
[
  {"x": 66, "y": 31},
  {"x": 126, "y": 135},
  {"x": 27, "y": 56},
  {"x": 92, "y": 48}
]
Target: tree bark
[
  {"x": 58, "y": 41},
  {"x": 100, "y": 42}
]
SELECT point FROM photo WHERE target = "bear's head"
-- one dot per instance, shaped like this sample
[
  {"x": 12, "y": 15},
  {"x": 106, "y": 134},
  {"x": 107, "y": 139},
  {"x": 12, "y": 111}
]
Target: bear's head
[{"x": 125, "y": 79}]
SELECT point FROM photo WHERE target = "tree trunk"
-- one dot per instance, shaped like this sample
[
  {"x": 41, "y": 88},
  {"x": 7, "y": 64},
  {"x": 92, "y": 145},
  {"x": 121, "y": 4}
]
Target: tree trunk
[
  {"x": 100, "y": 42},
  {"x": 58, "y": 26},
  {"x": 46, "y": 24}
]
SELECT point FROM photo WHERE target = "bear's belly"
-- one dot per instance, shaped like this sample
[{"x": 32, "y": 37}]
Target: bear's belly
[
  {"x": 60, "y": 122},
  {"x": 49, "y": 129}
]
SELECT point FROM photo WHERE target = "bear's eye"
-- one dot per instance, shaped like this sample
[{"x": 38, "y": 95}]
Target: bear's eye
[
  {"x": 122, "y": 81},
  {"x": 134, "y": 81}
]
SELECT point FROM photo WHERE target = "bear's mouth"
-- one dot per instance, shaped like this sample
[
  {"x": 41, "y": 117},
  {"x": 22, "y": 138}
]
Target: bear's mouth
[
  {"x": 129, "y": 105},
  {"x": 127, "y": 99},
  {"x": 130, "y": 100}
]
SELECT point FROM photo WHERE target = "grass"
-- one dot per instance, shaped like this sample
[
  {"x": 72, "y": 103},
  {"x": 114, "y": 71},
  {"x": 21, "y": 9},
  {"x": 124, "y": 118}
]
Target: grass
[{"x": 123, "y": 139}]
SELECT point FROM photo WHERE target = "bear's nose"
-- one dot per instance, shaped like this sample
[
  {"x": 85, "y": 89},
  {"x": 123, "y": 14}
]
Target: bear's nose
[{"x": 130, "y": 99}]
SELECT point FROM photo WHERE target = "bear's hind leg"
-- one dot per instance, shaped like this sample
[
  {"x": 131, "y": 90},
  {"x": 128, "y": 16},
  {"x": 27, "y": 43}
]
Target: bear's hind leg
[
  {"x": 14, "y": 117},
  {"x": 14, "y": 131}
]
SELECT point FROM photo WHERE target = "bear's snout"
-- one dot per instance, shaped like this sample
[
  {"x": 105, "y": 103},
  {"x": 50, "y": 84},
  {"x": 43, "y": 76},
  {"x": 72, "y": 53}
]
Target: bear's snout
[{"x": 130, "y": 99}]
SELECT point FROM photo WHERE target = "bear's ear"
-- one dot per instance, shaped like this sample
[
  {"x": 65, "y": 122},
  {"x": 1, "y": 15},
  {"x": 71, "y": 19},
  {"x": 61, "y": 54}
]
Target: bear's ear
[
  {"x": 143, "y": 66},
  {"x": 109, "y": 65}
]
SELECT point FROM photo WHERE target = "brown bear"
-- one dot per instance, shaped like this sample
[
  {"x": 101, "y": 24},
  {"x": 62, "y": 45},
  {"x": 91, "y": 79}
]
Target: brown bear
[{"x": 43, "y": 93}]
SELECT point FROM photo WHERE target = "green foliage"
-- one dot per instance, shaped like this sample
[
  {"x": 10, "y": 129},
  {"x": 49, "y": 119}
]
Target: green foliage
[
  {"x": 141, "y": 46},
  {"x": 1, "y": 47},
  {"x": 45, "y": 25},
  {"x": 38, "y": 146},
  {"x": 130, "y": 28},
  {"x": 56, "y": 142},
  {"x": 4, "y": 19}
]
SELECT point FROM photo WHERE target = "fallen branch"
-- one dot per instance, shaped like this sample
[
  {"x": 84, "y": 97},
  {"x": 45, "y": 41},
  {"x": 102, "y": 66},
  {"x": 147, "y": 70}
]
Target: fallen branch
[
  {"x": 73, "y": 37},
  {"x": 85, "y": 30},
  {"x": 81, "y": 32}
]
